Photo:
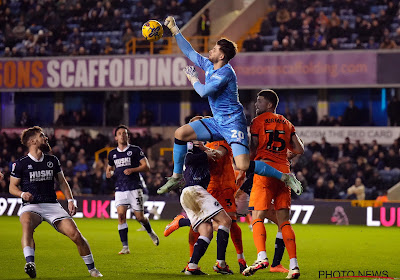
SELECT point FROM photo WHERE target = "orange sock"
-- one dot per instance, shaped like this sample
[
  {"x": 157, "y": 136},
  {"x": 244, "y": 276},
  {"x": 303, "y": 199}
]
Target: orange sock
[
  {"x": 259, "y": 235},
  {"x": 236, "y": 236},
  {"x": 289, "y": 238},
  {"x": 193, "y": 236}
]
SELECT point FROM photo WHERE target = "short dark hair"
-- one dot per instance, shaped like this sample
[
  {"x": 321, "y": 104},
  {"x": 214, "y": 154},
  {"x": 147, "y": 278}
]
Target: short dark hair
[
  {"x": 28, "y": 133},
  {"x": 270, "y": 95},
  {"x": 228, "y": 47},
  {"x": 119, "y": 127}
]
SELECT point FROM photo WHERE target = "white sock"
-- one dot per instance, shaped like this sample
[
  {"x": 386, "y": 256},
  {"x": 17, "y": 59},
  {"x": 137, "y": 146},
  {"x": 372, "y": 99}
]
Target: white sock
[
  {"x": 176, "y": 175},
  {"x": 193, "y": 266},
  {"x": 89, "y": 261},
  {"x": 28, "y": 252},
  {"x": 224, "y": 228},
  {"x": 221, "y": 263},
  {"x": 279, "y": 235},
  {"x": 122, "y": 226},
  {"x": 240, "y": 256},
  {"x": 205, "y": 239},
  {"x": 293, "y": 263},
  {"x": 261, "y": 256}
]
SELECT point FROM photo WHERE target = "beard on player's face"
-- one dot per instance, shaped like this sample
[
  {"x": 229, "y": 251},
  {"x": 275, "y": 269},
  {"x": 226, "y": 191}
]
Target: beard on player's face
[{"x": 45, "y": 147}]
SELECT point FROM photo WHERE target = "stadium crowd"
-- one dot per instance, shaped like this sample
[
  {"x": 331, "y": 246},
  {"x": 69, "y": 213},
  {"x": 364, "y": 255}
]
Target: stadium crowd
[
  {"x": 349, "y": 170},
  {"x": 328, "y": 25},
  {"x": 90, "y": 27},
  {"x": 61, "y": 28}
]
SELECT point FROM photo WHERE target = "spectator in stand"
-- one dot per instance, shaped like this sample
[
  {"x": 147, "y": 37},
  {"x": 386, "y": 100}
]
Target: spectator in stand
[
  {"x": 253, "y": 43},
  {"x": 331, "y": 192},
  {"x": 108, "y": 47},
  {"x": 388, "y": 43},
  {"x": 127, "y": 36},
  {"x": 286, "y": 45},
  {"x": 25, "y": 120},
  {"x": 351, "y": 116},
  {"x": 266, "y": 27},
  {"x": 372, "y": 45},
  {"x": 356, "y": 191},
  {"x": 393, "y": 111},
  {"x": 276, "y": 47},
  {"x": 320, "y": 188},
  {"x": 204, "y": 24},
  {"x": 282, "y": 33},
  {"x": 94, "y": 48}
]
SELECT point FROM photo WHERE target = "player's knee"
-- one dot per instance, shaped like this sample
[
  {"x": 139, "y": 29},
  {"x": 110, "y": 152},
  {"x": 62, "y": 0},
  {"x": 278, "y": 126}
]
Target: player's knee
[
  {"x": 242, "y": 165},
  {"x": 184, "y": 133},
  {"x": 76, "y": 237},
  {"x": 227, "y": 222}
]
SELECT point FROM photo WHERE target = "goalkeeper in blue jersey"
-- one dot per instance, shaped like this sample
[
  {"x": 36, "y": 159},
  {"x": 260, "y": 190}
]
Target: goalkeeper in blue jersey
[{"x": 228, "y": 121}]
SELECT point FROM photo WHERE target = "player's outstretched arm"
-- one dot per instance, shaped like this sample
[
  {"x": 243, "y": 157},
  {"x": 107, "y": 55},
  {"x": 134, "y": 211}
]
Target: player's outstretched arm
[{"x": 184, "y": 45}]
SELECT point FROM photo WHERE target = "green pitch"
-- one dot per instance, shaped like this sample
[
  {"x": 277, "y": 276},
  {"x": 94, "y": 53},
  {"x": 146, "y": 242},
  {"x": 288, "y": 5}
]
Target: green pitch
[{"x": 319, "y": 248}]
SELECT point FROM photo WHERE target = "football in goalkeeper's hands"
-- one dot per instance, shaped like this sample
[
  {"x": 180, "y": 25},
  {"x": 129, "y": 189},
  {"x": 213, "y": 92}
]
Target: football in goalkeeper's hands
[{"x": 152, "y": 30}]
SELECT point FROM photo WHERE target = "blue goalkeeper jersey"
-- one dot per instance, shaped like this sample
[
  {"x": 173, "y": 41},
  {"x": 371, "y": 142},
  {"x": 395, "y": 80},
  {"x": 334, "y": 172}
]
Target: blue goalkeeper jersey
[{"x": 220, "y": 86}]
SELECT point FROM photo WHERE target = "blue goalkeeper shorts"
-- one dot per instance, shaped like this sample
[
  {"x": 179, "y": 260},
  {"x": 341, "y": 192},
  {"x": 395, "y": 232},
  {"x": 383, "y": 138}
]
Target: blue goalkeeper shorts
[{"x": 234, "y": 133}]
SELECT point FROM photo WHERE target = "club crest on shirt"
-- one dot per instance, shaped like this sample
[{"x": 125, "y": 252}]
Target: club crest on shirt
[
  {"x": 129, "y": 153},
  {"x": 30, "y": 166},
  {"x": 49, "y": 164}
]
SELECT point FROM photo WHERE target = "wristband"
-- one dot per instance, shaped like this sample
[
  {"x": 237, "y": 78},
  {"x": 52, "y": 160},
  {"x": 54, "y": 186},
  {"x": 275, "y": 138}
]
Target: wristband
[
  {"x": 71, "y": 200},
  {"x": 22, "y": 194}
]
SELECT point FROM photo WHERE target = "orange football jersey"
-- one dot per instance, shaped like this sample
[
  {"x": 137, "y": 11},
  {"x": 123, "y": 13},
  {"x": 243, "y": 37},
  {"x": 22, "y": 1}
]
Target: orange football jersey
[
  {"x": 274, "y": 133},
  {"x": 221, "y": 171}
]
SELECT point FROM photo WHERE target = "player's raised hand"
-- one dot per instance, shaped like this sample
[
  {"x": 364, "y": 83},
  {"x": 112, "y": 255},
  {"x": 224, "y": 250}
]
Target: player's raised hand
[
  {"x": 191, "y": 74},
  {"x": 72, "y": 208},
  {"x": 171, "y": 24}
]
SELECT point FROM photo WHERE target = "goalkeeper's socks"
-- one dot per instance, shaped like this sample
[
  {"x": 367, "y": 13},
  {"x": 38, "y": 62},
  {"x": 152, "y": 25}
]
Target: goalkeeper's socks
[
  {"x": 279, "y": 249},
  {"x": 123, "y": 233},
  {"x": 180, "y": 150},
  {"x": 289, "y": 238},
  {"x": 263, "y": 169},
  {"x": 199, "y": 249},
  {"x": 185, "y": 222},
  {"x": 222, "y": 242},
  {"x": 193, "y": 237}
]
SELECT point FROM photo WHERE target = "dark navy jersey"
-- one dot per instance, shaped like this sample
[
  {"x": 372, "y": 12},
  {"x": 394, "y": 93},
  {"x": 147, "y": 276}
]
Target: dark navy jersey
[
  {"x": 121, "y": 160},
  {"x": 37, "y": 176},
  {"x": 248, "y": 183},
  {"x": 197, "y": 171}
]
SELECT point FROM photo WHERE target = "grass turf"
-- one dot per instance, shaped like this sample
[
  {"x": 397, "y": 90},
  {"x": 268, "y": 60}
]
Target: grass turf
[{"x": 319, "y": 248}]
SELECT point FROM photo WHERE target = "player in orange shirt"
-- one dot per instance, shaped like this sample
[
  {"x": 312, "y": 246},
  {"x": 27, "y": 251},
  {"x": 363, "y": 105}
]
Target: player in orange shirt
[
  {"x": 223, "y": 187},
  {"x": 271, "y": 136}
]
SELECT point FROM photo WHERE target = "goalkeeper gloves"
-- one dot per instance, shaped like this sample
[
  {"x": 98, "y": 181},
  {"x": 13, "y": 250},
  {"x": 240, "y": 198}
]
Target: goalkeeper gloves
[
  {"x": 171, "y": 24},
  {"x": 191, "y": 74}
]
